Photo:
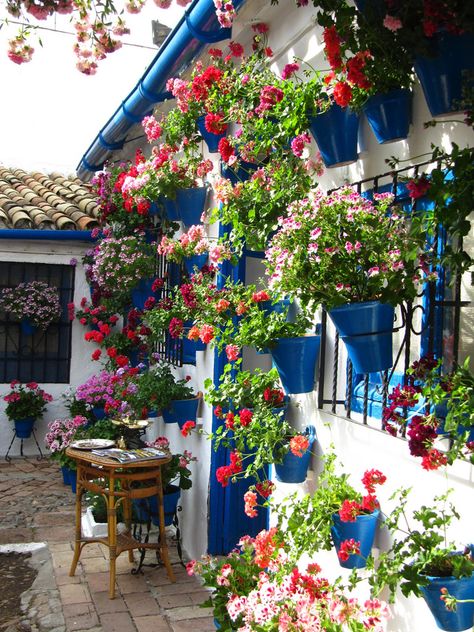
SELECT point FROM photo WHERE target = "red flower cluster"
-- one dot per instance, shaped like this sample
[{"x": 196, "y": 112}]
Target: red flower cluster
[
  {"x": 225, "y": 149},
  {"x": 348, "y": 547},
  {"x": 332, "y": 47},
  {"x": 215, "y": 124},
  {"x": 245, "y": 417},
  {"x": 418, "y": 187},
  {"x": 226, "y": 472},
  {"x": 350, "y": 509},
  {"x": 187, "y": 427},
  {"x": 273, "y": 396}
]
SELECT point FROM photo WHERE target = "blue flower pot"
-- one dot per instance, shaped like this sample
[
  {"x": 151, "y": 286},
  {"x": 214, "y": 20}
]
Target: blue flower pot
[
  {"x": 463, "y": 588},
  {"x": 335, "y": 132},
  {"x": 240, "y": 173},
  {"x": 99, "y": 412},
  {"x": 217, "y": 625},
  {"x": 147, "y": 508},
  {"x": 141, "y": 293},
  {"x": 65, "y": 474},
  {"x": 296, "y": 360},
  {"x": 366, "y": 329},
  {"x": 196, "y": 261},
  {"x": 362, "y": 530},
  {"x": 170, "y": 209},
  {"x": 294, "y": 469},
  {"x": 279, "y": 307},
  {"x": 73, "y": 480},
  {"x": 181, "y": 411},
  {"x": 211, "y": 140},
  {"x": 389, "y": 115},
  {"x": 191, "y": 204},
  {"x": 441, "y": 76},
  {"x": 24, "y": 427},
  {"x": 27, "y": 328}
]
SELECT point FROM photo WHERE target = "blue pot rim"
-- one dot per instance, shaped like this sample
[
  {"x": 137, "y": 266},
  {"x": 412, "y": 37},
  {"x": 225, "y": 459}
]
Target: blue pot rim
[
  {"x": 382, "y": 97},
  {"x": 361, "y": 517}
]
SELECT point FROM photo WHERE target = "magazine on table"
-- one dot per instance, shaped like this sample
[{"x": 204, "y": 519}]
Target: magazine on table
[{"x": 127, "y": 456}]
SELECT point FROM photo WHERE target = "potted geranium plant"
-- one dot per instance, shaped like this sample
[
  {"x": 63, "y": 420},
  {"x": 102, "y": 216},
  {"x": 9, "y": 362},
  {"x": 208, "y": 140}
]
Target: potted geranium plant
[
  {"x": 97, "y": 393},
  {"x": 35, "y": 304},
  {"x": 354, "y": 257},
  {"x": 122, "y": 270},
  {"x": 335, "y": 515},
  {"x": 423, "y": 562},
  {"x": 25, "y": 404},
  {"x": 194, "y": 248},
  {"x": 175, "y": 398},
  {"x": 59, "y": 436}
]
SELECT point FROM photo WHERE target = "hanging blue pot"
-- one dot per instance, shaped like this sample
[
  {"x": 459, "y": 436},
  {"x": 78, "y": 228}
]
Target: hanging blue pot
[
  {"x": 147, "y": 508},
  {"x": 293, "y": 469},
  {"x": 181, "y": 411},
  {"x": 296, "y": 360},
  {"x": 191, "y": 204},
  {"x": 170, "y": 209},
  {"x": 389, "y": 115},
  {"x": 24, "y": 427},
  {"x": 240, "y": 173},
  {"x": 442, "y": 75},
  {"x": 141, "y": 292},
  {"x": 99, "y": 412},
  {"x": 27, "y": 328},
  {"x": 335, "y": 132},
  {"x": 196, "y": 261},
  {"x": 361, "y": 530},
  {"x": 211, "y": 140},
  {"x": 366, "y": 329},
  {"x": 278, "y": 307},
  {"x": 463, "y": 617}
]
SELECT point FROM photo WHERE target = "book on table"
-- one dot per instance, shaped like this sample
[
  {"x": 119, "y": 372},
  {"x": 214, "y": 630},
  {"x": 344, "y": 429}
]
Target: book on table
[{"x": 128, "y": 456}]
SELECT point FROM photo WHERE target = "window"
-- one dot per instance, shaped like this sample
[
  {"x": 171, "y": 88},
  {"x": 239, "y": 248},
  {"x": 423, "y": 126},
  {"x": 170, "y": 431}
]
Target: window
[{"x": 45, "y": 355}]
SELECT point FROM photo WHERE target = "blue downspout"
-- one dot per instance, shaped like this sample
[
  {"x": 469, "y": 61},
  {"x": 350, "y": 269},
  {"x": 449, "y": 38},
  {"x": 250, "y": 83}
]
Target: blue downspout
[
  {"x": 197, "y": 27},
  {"x": 228, "y": 521},
  {"x": 46, "y": 235}
]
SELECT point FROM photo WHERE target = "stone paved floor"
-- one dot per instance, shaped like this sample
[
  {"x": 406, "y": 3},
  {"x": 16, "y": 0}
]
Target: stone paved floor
[{"x": 35, "y": 506}]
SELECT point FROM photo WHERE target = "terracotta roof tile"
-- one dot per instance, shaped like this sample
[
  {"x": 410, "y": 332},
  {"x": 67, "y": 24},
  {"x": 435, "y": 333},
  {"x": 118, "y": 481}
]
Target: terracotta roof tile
[{"x": 45, "y": 202}]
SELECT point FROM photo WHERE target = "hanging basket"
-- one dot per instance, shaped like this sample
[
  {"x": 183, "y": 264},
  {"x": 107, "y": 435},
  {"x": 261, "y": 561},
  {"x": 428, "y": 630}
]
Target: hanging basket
[
  {"x": 211, "y": 140},
  {"x": 181, "y": 411},
  {"x": 296, "y": 360},
  {"x": 442, "y": 75},
  {"x": 361, "y": 530},
  {"x": 463, "y": 617},
  {"x": 191, "y": 204},
  {"x": 335, "y": 132},
  {"x": 293, "y": 469},
  {"x": 24, "y": 427},
  {"x": 366, "y": 329},
  {"x": 389, "y": 115}
]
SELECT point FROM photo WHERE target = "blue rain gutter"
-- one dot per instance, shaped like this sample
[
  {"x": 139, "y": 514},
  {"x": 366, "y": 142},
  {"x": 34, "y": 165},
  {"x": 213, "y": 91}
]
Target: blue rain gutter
[
  {"x": 197, "y": 27},
  {"x": 46, "y": 235}
]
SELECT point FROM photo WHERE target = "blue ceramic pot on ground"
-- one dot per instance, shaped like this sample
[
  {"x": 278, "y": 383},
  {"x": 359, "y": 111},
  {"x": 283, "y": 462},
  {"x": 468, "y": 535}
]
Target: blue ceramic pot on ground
[
  {"x": 196, "y": 261},
  {"x": 294, "y": 469},
  {"x": 211, "y": 140},
  {"x": 191, "y": 204},
  {"x": 141, "y": 293},
  {"x": 65, "y": 474},
  {"x": 335, "y": 132},
  {"x": 366, "y": 329},
  {"x": 181, "y": 411},
  {"x": 147, "y": 508},
  {"x": 389, "y": 115},
  {"x": 442, "y": 75},
  {"x": 27, "y": 328},
  {"x": 361, "y": 530},
  {"x": 24, "y": 427},
  {"x": 69, "y": 477},
  {"x": 296, "y": 360},
  {"x": 463, "y": 617}
]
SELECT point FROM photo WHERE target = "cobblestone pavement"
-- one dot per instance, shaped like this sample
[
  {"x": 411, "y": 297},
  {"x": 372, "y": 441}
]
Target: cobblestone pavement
[{"x": 35, "y": 506}]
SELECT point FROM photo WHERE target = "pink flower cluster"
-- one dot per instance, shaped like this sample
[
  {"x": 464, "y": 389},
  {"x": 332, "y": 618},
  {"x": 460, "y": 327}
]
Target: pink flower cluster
[{"x": 61, "y": 432}]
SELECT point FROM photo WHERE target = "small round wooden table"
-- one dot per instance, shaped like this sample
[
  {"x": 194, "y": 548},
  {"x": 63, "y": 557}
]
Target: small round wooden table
[{"x": 119, "y": 483}]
